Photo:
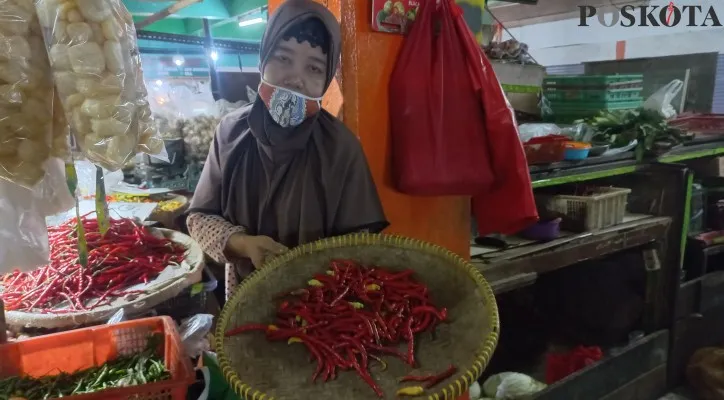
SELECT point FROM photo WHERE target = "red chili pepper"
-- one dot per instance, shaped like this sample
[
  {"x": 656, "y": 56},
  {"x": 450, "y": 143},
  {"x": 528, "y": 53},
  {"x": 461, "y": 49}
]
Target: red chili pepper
[
  {"x": 430, "y": 380},
  {"x": 113, "y": 260},
  {"x": 356, "y": 314}
]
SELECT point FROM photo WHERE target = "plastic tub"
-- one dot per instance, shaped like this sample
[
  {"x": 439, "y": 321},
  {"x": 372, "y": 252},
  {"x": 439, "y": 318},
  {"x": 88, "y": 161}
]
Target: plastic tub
[
  {"x": 544, "y": 231},
  {"x": 545, "y": 150},
  {"x": 577, "y": 151},
  {"x": 85, "y": 348}
]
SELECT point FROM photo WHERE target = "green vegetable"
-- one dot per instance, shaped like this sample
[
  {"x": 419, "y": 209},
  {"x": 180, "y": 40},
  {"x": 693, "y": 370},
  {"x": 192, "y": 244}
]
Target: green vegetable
[
  {"x": 138, "y": 369},
  {"x": 618, "y": 128}
]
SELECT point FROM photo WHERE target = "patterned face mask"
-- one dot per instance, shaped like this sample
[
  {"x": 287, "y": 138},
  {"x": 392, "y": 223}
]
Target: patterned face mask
[{"x": 287, "y": 108}]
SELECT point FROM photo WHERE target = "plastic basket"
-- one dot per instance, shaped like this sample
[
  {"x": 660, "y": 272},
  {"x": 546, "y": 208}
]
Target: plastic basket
[
  {"x": 593, "y": 81},
  {"x": 85, "y": 348},
  {"x": 567, "y": 112},
  {"x": 700, "y": 123},
  {"x": 545, "y": 150},
  {"x": 593, "y": 106},
  {"x": 601, "y": 208},
  {"x": 582, "y": 94}
]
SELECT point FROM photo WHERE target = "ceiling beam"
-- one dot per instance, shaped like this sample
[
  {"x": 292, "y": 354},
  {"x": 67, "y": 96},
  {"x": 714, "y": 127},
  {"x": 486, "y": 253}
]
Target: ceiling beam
[
  {"x": 515, "y": 15},
  {"x": 172, "y": 9}
]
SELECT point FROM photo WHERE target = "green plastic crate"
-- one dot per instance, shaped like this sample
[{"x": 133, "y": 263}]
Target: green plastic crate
[
  {"x": 592, "y": 81},
  {"x": 571, "y": 111},
  {"x": 561, "y": 95},
  {"x": 595, "y": 105}
]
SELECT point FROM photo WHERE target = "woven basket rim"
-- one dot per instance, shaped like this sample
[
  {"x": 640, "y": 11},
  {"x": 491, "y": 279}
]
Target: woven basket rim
[{"x": 452, "y": 391}]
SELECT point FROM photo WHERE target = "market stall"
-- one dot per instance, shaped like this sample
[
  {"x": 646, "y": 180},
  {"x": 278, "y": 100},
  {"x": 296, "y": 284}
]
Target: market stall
[{"x": 571, "y": 286}]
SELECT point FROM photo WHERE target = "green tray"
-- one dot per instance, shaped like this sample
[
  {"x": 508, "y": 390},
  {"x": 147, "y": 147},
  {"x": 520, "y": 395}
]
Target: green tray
[
  {"x": 568, "y": 95},
  {"x": 592, "y": 81},
  {"x": 593, "y": 106},
  {"x": 582, "y": 110}
]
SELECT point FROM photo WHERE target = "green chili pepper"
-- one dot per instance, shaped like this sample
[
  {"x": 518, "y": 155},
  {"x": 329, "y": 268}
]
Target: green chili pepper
[{"x": 144, "y": 367}]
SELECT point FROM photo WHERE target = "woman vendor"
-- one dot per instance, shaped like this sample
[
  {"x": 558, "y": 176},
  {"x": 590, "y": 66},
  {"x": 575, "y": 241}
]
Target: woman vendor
[{"x": 282, "y": 171}]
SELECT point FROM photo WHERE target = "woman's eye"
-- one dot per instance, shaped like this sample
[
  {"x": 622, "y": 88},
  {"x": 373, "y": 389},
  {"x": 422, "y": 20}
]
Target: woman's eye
[
  {"x": 283, "y": 59},
  {"x": 315, "y": 69}
]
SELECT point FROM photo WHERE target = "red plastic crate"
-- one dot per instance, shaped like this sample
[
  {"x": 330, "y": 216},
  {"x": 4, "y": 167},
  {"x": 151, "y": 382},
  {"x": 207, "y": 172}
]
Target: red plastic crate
[
  {"x": 700, "y": 123},
  {"x": 90, "y": 347},
  {"x": 546, "y": 149}
]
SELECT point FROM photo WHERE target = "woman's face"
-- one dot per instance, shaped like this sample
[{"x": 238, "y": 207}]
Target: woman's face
[{"x": 298, "y": 67}]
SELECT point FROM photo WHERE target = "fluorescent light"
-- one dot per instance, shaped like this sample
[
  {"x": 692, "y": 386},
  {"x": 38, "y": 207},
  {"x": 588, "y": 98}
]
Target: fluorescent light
[
  {"x": 214, "y": 55},
  {"x": 159, "y": 82},
  {"x": 252, "y": 21}
]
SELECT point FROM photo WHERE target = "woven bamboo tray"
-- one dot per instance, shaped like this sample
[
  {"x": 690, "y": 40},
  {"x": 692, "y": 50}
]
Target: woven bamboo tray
[
  {"x": 159, "y": 290},
  {"x": 259, "y": 370}
]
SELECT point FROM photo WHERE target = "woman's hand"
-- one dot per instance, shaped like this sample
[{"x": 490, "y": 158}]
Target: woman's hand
[{"x": 255, "y": 248}]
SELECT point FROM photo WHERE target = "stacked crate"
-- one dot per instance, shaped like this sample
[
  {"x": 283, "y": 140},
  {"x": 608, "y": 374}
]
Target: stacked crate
[{"x": 571, "y": 97}]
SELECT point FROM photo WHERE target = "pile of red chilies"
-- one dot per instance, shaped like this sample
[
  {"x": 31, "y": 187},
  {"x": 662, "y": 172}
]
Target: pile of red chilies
[
  {"x": 351, "y": 315},
  {"x": 127, "y": 255}
]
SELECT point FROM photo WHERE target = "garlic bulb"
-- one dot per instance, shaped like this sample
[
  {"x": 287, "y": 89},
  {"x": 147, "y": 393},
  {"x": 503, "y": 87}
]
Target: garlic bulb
[
  {"x": 512, "y": 385},
  {"x": 475, "y": 391},
  {"x": 198, "y": 133}
]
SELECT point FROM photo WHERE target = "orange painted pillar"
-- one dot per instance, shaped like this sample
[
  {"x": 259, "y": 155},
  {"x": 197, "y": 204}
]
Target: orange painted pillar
[
  {"x": 368, "y": 58},
  {"x": 360, "y": 97}
]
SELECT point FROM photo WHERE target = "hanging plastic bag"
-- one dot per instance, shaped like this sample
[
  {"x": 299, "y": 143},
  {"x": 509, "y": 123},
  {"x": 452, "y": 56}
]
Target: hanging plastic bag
[
  {"x": 661, "y": 100},
  {"x": 97, "y": 72},
  {"x": 437, "y": 122},
  {"x": 26, "y": 95},
  {"x": 508, "y": 206},
  {"x": 23, "y": 232}
]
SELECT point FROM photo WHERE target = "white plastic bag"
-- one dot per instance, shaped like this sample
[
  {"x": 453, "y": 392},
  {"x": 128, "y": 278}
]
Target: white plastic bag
[
  {"x": 193, "y": 331},
  {"x": 23, "y": 233},
  {"x": 661, "y": 100}
]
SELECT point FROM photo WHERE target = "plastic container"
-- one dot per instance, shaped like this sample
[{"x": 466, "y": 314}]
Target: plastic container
[
  {"x": 596, "y": 208},
  {"x": 576, "y": 151},
  {"x": 191, "y": 300},
  {"x": 576, "y": 94},
  {"x": 588, "y": 106},
  {"x": 543, "y": 231},
  {"x": 568, "y": 112},
  {"x": 593, "y": 81},
  {"x": 85, "y": 348},
  {"x": 700, "y": 123},
  {"x": 545, "y": 150}
]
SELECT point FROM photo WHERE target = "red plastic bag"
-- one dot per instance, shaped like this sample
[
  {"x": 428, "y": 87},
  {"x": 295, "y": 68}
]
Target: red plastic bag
[
  {"x": 437, "y": 124},
  {"x": 508, "y": 206}
]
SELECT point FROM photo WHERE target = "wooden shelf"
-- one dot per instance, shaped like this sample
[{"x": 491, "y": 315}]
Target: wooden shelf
[
  {"x": 520, "y": 266},
  {"x": 602, "y": 167}
]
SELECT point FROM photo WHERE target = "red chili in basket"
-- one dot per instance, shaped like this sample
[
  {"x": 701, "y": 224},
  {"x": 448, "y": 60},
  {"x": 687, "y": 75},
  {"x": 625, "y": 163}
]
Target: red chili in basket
[
  {"x": 128, "y": 254},
  {"x": 356, "y": 314},
  {"x": 429, "y": 379}
]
